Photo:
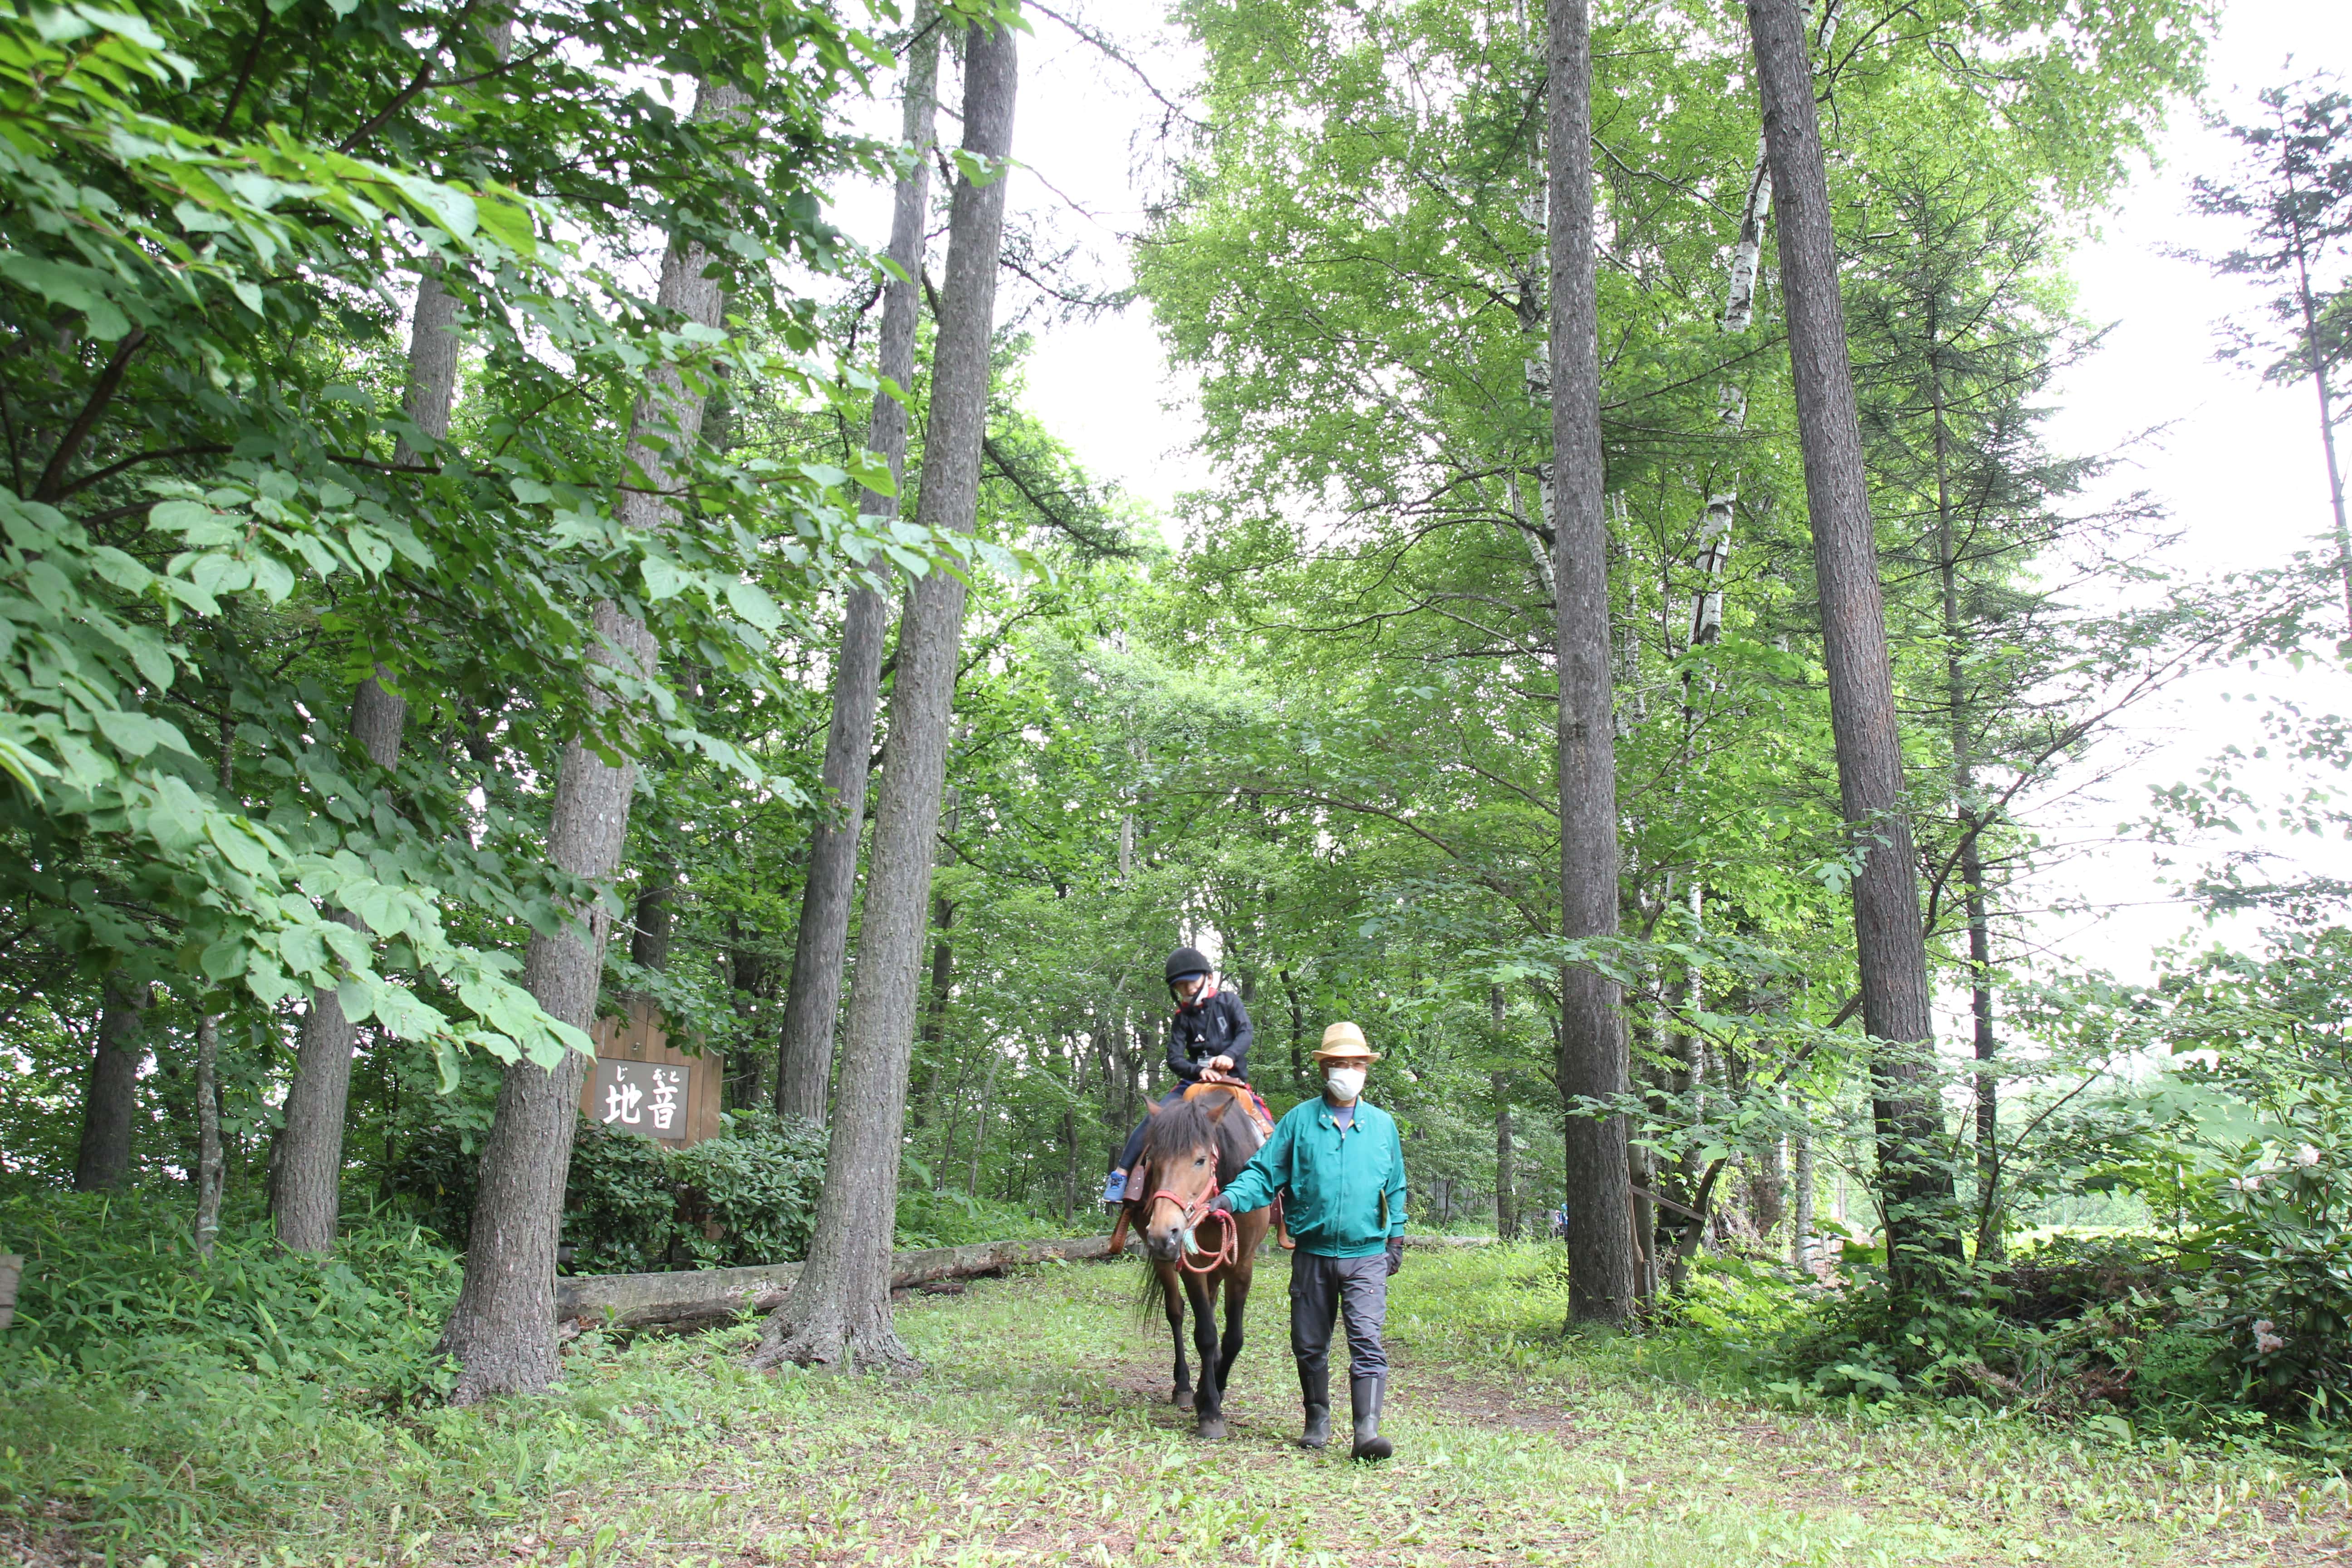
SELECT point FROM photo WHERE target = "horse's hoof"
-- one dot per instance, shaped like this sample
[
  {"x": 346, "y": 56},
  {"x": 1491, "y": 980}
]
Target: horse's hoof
[
  {"x": 1182, "y": 1398},
  {"x": 1213, "y": 1428}
]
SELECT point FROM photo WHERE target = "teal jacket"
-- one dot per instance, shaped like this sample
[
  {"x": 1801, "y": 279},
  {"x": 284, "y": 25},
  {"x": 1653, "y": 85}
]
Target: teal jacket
[{"x": 1347, "y": 1188}]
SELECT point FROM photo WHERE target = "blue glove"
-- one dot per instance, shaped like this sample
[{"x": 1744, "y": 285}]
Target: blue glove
[{"x": 1396, "y": 1253}]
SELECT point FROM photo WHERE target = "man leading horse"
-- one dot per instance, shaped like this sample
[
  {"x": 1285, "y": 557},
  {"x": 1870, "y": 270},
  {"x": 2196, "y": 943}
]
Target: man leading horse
[{"x": 1342, "y": 1164}]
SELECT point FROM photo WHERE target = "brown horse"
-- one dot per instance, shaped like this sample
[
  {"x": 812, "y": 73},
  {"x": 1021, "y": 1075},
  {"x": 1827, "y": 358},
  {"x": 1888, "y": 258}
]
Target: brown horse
[{"x": 1190, "y": 1152}]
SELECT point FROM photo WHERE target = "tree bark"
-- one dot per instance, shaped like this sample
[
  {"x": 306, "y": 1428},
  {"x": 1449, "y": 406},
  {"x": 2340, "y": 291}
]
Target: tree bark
[
  {"x": 502, "y": 1328},
  {"x": 839, "y": 1314},
  {"x": 1800, "y": 1219},
  {"x": 1975, "y": 906},
  {"x": 2315, "y": 345},
  {"x": 1766, "y": 1187},
  {"x": 1592, "y": 1034},
  {"x": 654, "y": 920},
  {"x": 1890, "y": 943},
  {"x": 111, "y": 1103},
  {"x": 211, "y": 1167},
  {"x": 805, "y": 1053},
  {"x": 306, "y": 1198},
  {"x": 1506, "y": 1212},
  {"x": 1731, "y": 400}
]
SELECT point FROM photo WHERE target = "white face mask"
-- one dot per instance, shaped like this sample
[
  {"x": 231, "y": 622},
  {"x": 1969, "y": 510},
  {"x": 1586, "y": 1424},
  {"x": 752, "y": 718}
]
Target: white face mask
[{"x": 1344, "y": 1084}]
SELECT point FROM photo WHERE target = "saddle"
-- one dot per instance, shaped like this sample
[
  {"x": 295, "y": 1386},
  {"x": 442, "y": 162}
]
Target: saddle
[{"x": 1253, "y": 1105}]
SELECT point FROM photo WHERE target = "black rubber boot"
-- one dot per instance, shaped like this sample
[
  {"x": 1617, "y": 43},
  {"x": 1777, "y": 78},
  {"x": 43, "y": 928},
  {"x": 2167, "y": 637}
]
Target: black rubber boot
[
  {"x": 1314, "y": 1389},
  {"x": 1364, "y": 1393}
]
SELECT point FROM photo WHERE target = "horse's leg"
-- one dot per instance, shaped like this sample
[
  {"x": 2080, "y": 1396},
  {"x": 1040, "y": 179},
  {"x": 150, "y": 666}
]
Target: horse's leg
[
  {"x": 1208, "y": 1396},
  {"x": 1250, "y": 1236},
  {"x": 1171, "y": 1296}
]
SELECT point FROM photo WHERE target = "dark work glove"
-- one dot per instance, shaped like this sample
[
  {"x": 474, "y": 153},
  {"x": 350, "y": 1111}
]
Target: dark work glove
[
  {"x": 1221, "y": 1203},
  {"x": 1396, "y": 1253}
]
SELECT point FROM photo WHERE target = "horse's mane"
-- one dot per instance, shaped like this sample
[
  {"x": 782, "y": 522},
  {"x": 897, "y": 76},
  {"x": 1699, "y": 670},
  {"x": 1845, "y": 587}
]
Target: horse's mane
[{"x": 1178, "y": 1130}]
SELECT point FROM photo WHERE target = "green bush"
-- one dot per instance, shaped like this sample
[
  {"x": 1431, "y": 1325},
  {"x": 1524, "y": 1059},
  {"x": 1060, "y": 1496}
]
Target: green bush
[
  {"x": 113, "y": 1286},
  {"x": 631, "y": 1206},
  {"x": 146, "y": 1390}
]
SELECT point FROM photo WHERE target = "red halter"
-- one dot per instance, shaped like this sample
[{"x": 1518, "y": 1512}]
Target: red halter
[{"x": 1193, "y": 1214}]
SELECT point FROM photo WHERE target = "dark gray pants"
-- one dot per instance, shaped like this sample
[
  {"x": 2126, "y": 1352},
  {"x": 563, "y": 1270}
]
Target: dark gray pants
[{"x": 1355, "y": 1289}]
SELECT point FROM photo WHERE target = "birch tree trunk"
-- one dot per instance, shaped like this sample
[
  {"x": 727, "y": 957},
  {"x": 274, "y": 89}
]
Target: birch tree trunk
[
  {"x": 838, "y": 1314},
  {"x": 1800, "y": 1221},
  {"x": 211, "y": 1168},
  {"x": 805, "y": 1052},
  {"x": 1890, "y": 943},
  {"x": 1592, "y": 1035},
  {"x": 111, "y": 1101},
  {"x": 502, "y": 1328},
  {"x": 1731, "y": 416}
]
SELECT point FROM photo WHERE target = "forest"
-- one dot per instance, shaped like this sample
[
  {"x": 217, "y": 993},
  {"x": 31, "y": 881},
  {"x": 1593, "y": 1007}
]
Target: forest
[{"x": 526, "y": 529}]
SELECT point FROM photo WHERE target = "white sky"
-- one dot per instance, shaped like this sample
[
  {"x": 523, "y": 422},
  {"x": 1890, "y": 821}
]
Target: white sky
[{"x": 2238, "y": 463}]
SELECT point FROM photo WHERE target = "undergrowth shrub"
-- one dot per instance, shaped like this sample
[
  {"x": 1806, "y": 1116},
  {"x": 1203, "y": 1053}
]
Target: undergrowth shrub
[
  {"x": 631, "y": 1206},
  {"x": 145, "y": 1389},
  {"x": 746, "y": 1197}
]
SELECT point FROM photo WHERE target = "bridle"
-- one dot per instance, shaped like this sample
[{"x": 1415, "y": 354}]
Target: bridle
[{"x": 1193, "y": 1214}]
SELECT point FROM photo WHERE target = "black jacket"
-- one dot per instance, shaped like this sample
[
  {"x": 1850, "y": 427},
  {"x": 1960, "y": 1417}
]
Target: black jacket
[{"x": 1218, "y": 1028}]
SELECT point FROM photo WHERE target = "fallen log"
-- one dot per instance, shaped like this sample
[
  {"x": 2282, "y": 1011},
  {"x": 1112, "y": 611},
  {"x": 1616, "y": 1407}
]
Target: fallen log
[
  {"x": 704, "y": 1297},
  {"x": 698, "y": 1298}
]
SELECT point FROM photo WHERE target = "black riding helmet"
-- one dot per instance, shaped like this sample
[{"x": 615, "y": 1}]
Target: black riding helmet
[{"x": 1186, "y": 961}]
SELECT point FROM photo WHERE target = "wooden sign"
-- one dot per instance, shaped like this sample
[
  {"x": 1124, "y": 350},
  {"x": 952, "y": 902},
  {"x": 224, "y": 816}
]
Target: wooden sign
[{"x": 646, "y": 1086}]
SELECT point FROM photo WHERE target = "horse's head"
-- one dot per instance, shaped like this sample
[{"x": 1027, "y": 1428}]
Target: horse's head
[{"x": 1180, "y": 1149}]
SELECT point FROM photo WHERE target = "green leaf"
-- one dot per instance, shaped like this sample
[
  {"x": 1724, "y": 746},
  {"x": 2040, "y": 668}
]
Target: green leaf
[
  {"x": 753, "y": 603},
  {"x": 663, "y": 579},
  {"x": 357, "y": 996}
]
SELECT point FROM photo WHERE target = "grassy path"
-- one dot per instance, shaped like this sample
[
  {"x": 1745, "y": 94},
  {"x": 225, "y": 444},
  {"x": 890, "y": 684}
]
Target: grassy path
[{"x": 1042, "y": 1435}]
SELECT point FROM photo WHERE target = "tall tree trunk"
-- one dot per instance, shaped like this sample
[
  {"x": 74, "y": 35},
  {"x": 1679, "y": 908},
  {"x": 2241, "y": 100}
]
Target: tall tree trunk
[
  {"x": 813, "y": 1005},
  {"x": 111, "y": 1102},
  {"x": 654, "y": 920},
  {"x": 210, "y": 1167},
  {"x": 1767, "y": 1183},
  {"x": 1800, "y": 1215},
  {"x": 1731, "y": 411},
  {"x": 1298, "y": 1031},
  {"x": 1593, "y": 1034},
  {"x": 980, "y": 1121},
  {"x": 838, "y": 1314},
  {"x": 306, "y": 1198},
  {"x": 1506, "y": 1203},
  {"x": 2315, "y": 345},
  {"x": 1890, "y": 944},
  {"x": 1974, "y": 904},
  {"x": 502, "y": 1328}
]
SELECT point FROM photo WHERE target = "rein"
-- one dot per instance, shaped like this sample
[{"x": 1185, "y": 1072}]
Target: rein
[{"x": 1193, "y": 1214}]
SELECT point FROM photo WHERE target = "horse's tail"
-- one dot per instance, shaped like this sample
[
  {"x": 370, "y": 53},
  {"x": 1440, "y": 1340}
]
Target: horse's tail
[{"x": 1152, "y": 1300}]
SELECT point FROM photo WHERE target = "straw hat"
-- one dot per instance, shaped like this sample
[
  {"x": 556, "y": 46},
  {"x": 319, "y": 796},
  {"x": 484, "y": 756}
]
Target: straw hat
[{"x": 1345, "y": 1042}]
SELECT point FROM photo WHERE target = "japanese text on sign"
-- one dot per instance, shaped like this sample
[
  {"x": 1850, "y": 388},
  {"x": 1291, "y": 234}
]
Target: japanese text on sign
[{"x": 648, "y": 1099}]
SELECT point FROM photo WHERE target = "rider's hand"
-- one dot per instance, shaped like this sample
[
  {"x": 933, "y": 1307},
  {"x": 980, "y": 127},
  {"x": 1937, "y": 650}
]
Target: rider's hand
[
  {"x": 1222, "y": 1064},
  {"x": 1221, "y": 1203},
  {"x": 1396, "y": 1253}
]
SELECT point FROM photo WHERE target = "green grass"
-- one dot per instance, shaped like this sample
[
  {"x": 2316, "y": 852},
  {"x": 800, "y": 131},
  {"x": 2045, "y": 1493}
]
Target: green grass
[{"x": 1041, "y": 1434}]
